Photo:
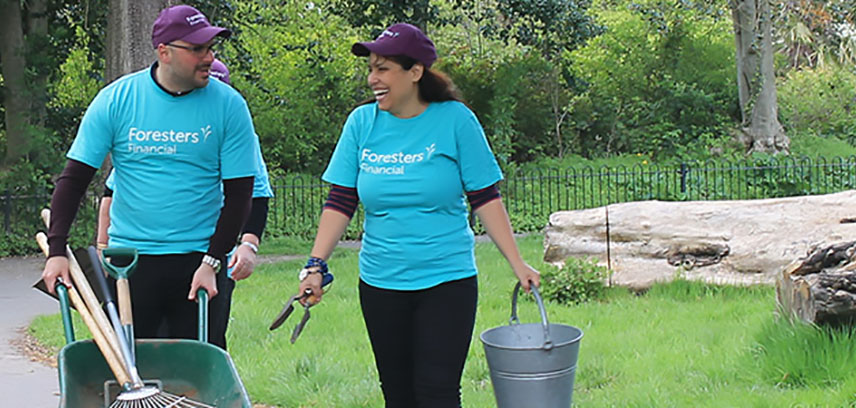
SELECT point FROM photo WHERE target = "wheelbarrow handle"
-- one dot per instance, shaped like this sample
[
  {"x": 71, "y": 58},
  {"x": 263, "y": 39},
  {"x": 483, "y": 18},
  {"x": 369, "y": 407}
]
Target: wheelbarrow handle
[
  {"x": 202, "y": 297},
  {"x": 548, "y": 343},
  {"x": 64, "y": 309}
]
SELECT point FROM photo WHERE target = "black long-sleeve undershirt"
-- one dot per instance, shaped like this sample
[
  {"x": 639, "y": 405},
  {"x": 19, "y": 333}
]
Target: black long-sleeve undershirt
[
  {"x": 70, "y": 188},
  {"x": 237, "y": 201},
  {"x": 257, "y": 221}
]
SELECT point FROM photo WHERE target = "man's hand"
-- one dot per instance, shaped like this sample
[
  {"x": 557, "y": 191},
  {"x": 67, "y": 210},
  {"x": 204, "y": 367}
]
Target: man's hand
[
  {"x": 56, "y": 267},
  {"x": 242, "y": 262},
  {"x": 204, "y": 277}
]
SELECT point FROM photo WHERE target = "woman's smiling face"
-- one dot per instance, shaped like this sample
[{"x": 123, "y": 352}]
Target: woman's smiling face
[{"x": 396, "y": 89}]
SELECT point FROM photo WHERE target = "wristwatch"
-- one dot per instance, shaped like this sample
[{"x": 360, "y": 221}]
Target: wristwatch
[
  {"x": 305, "y": 272},
  {"x": 212, "y": 262}
]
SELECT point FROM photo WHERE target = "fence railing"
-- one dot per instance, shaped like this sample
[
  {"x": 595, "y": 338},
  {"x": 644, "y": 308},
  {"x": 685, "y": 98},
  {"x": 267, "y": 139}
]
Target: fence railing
[{"x": 531, "y": 196}]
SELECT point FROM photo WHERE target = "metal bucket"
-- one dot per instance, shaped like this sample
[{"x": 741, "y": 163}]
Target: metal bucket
[{"x": 532, "y": 365}]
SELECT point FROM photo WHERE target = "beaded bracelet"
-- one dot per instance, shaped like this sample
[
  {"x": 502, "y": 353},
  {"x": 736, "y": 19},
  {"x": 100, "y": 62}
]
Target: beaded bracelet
[{"x": 313, "y": 262}]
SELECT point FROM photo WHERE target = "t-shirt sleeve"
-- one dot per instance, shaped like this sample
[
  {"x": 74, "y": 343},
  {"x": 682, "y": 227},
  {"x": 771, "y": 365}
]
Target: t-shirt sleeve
[
  {"x": 111, "y": 180},
  {"x": 237, "y": 152},
  {"x": 261, "y": 181},
  {"x": 344, "y": 164},
  {"x": 478, "y": 165},
  {"x": 95, "y": 134}
]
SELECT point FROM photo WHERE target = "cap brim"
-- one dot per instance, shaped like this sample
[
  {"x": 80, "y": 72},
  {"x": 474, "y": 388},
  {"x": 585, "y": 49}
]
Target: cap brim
[
  {"x": 204, "y": 35},
  {"x": 361, "y": 49}
]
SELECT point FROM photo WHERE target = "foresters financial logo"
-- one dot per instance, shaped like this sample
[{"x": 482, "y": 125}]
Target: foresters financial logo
[
  {"x": 392, "y": 163},
  {"x": 195, "y": 19},
  {"x": 386, "y": 33},
  {"x": 164, "y": 141}
]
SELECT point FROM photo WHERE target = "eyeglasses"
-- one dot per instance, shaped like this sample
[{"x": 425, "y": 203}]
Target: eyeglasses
[{"x": 197, "y": 50}]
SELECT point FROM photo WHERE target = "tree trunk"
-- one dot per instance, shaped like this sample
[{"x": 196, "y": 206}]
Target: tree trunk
[
  {"x": 37, "y": 26},
  {"x": 129, "y": 42},
  {"x": 129, "y": 35},
  {"x": 820, "y": 288},
  {"x": 756, "y": 80},
  {"x": 15, "y": 90}
]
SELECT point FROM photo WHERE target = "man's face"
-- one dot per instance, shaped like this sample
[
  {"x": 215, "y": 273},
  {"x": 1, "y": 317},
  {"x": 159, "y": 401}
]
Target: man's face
[{"x": 190, "y": 63}]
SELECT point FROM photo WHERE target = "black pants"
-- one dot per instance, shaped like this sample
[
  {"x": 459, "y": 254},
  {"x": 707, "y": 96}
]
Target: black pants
[
  {"x": 420, "y": 341},
  {"x": 159, "y": 288}
]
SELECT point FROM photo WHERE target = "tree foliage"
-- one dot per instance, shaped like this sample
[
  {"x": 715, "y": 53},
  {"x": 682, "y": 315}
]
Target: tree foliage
[
  {"x": 378, "y": 14},
  {"x": 296, "y": 70}
]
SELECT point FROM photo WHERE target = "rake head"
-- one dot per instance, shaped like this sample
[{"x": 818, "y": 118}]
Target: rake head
[{"x": 151, "y": 397}]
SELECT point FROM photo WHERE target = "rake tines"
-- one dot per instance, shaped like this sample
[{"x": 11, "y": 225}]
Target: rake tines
[{"x": 151, "y": 397}]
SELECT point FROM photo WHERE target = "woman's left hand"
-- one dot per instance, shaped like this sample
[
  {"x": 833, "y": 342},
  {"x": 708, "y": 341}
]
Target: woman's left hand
[{"x": 526, "y": 274}]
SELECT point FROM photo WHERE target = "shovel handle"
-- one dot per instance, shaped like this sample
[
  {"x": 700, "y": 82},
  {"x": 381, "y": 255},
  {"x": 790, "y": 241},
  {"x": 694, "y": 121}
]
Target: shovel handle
[
  {"x": 116, "y": 366},
  {"x": 123, "y": 292},
  {"x": 85, "y": 291},
  {"x": 121, "y": 273},
  {"x": 120, "y": 253}
]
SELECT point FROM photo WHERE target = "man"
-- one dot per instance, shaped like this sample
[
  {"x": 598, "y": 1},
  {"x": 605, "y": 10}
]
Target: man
[
  {"x": 242, "y": 259},
  {"x": 182, "y": 150}
]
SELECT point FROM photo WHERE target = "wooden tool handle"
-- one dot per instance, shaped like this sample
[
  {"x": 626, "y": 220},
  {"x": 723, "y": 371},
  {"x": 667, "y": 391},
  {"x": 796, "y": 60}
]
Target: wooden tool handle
[
  {"x": 124, "y": 295},
  {"x": 113, "y": 360},
  {"x": 82, "y": 285}
]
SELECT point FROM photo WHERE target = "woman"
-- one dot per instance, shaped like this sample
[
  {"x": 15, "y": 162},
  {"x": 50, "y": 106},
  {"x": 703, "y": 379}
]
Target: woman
[{"x": 411, "y": 156}]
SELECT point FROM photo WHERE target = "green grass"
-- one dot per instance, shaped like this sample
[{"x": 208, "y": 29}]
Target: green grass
[
  {"x": 678, "y": 345},
  {"x": 285, "y": 245}
]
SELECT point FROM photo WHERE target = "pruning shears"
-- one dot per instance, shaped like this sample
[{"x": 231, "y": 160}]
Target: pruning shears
[{"x": 289, "y": 308}]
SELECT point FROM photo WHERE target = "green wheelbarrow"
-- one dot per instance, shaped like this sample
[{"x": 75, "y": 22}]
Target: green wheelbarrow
[{"x": 192, "y": 368}]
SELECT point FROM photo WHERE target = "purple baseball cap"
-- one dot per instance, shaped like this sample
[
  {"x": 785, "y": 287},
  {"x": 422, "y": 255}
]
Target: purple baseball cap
[
  {"x": 184, "y": 23},
  {"x": 218, "y": 70},
  {"x": 400, "y": 39}
]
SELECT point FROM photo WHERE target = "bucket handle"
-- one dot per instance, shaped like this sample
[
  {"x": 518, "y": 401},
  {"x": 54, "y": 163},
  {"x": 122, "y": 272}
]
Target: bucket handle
[{"x": 548, "y": 343}]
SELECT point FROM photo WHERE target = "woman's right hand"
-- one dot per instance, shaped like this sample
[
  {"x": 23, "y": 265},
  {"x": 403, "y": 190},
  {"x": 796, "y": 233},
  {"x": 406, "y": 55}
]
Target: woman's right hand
[
  {"x": 313, "y": 283},
  {"x": 526, "y": 274}
]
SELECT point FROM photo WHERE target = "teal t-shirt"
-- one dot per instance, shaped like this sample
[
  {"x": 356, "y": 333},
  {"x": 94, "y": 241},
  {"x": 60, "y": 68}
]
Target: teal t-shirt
[
  {"x": 261, "y": 181},
  {"x": 411, "y": 176},
  {"x": 170, "y": 155}
]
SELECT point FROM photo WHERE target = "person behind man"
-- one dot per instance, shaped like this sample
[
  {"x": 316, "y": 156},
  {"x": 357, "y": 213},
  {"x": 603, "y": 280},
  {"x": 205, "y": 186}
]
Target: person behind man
[
  {"x": 182, "y": 151},
  {"x": 242, "y": 258}
]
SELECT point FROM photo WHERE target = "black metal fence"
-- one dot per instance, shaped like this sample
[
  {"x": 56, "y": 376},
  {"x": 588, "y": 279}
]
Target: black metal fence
[{"x": 531, "y": 196}]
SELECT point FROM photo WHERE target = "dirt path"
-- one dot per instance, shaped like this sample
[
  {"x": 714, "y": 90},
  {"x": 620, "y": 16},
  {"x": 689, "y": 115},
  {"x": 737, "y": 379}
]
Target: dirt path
[
  {"x": 28, "y": 375},
  {"x": 24, "y": 381}
]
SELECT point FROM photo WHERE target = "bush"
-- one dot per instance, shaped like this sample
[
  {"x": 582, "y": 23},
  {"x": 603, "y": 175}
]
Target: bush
[
  {"x": 580, "y": 280},
  {"x": 661, "y": 89},
  {"x": 819, "y": 101}
]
